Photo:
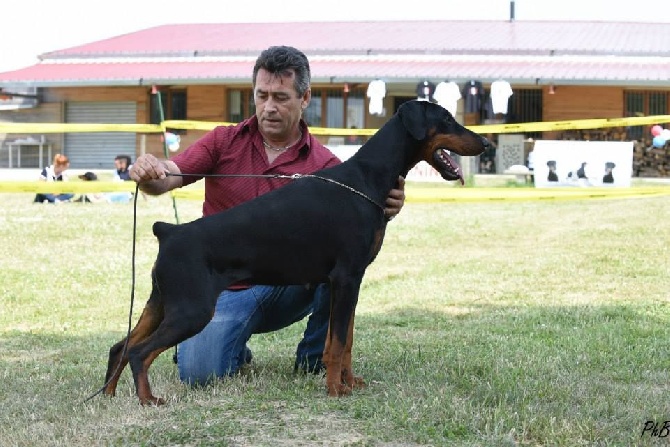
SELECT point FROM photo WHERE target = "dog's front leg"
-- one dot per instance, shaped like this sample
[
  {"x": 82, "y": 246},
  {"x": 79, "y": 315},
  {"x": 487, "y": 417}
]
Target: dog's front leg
[
  {"x": 333, "y": 367},
  {"x": 337, "y": 353},
  {"x": 348, "y": 376}
]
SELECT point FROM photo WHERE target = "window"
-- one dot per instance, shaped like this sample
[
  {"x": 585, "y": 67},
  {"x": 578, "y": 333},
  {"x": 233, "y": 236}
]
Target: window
[
  {"x": 634, "y": 103},
  {"x": 177, "y": 109},
  {"x": 658, "y": 103},
  {"x": 643, "y": 103},
  {"x": 335, "y": 108},
  {"x": 525, "y": 106},
  {"x": 235, "y": 110},
  {"x": 174, "y": 107},
  {"x": 327, "y": 108},
  {"x": 355, "y": 110},
  {"x": 240, "y": 105},
  {"x": 312, "y": 114}
]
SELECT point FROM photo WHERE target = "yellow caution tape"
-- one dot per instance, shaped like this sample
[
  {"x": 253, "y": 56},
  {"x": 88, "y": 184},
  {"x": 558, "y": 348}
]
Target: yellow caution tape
[
  {"x": 456, "y": 194},
  {"x": 194, "y": 125},
  {"x": 414, "y": 193},
  {"x": 75, "y": 187},
  {"x": 77, "y": 128},
  {"x": 570, "y": 125},
  {"x": 525, "y": 194},
  {"x": 208, "y": 125}
]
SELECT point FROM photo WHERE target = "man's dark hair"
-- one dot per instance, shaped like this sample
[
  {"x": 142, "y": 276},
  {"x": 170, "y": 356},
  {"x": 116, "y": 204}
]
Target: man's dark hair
[{"x": 280, "y": 60}]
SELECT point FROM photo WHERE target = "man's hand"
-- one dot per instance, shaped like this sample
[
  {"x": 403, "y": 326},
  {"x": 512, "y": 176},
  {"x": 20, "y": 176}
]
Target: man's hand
[
  {"x": 395, "y": 199},
  {"x": 152, "y": 174},
  {"x": 147, "y": 167}
]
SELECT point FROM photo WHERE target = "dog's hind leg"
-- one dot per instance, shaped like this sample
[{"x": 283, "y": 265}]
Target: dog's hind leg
[
  {"x": 337, "y": 353},
  {"x": 177, "y": 326},
  {"x": 151, "y": 317}
]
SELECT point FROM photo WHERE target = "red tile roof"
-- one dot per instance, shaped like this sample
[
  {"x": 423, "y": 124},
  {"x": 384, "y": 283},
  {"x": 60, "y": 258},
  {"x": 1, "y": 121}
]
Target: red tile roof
[
  {"x": 383, "y": 37},
  {"x": 520, "y": 52}
]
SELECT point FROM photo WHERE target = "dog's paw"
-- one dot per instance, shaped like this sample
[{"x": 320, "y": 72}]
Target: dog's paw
[
  {"x": 151, "y": 400},
  {"x": 351, "y": 379},
  {"x": 109, "y": 391},
  {"x": 357, "y": 382},
  {"x": 338, "y": 390}
]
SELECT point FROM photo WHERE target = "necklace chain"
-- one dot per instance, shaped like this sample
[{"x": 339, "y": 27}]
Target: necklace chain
[{"x": 279, "y": 149}]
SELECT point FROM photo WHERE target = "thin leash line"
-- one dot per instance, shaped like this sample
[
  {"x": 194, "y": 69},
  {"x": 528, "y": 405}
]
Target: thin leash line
[
  {"x": 132, "y": 299},
  {"x": 287, "y": 176}
]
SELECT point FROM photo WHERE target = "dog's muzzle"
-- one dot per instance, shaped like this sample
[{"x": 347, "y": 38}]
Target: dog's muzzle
[{"x": 448, "y": 168}]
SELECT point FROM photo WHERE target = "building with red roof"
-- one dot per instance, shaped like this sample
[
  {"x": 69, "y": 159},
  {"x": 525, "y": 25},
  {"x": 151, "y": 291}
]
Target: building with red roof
[{"x": 556, "y": 71}]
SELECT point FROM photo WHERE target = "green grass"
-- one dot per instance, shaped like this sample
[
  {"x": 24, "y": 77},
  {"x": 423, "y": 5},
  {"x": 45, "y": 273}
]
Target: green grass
[{"x": 538, "y": 323}]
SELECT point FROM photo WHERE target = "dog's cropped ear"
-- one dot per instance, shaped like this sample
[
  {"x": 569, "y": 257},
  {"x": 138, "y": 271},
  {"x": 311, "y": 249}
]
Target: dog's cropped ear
[
  {"x": 163, "y": 229},
  {"x": 413, "y": 116}
]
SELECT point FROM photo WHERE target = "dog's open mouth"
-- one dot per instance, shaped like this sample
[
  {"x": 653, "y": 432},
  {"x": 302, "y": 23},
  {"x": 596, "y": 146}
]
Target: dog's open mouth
[{"x": 447, "y": 166}]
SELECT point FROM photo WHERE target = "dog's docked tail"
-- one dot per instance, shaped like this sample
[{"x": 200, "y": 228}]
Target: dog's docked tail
[{"x": 163, "y": 229}]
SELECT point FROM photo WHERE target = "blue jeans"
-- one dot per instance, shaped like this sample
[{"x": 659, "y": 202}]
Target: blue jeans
[
  {"x": 119, "y": 197},
  {"x": 220, "y": 349}
]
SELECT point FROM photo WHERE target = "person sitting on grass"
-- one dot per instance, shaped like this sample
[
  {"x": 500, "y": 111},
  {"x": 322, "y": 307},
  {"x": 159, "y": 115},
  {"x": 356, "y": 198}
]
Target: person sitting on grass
[
  {"x": 55, "y": 173},
  {"x": 122, "y": 164}
]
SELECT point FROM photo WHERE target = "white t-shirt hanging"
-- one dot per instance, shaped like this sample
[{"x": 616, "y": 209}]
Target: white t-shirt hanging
[
  {"x": 500, "y": 93},
  {"x": 376, "y": 93},
  {"x": 447, "y": 95}
]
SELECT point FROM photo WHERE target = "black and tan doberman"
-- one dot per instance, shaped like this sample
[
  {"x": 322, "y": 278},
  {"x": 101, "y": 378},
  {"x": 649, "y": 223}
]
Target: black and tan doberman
[{"x": 324, "y": 227}]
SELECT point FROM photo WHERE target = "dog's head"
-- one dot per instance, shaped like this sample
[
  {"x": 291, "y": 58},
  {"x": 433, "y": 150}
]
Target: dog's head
[{"x": 440, "y": 135}]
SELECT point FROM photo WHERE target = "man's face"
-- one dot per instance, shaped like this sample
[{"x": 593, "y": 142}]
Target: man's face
[
  {"x": 120, "y": 164},
  {"x": 278, "y": 106}
]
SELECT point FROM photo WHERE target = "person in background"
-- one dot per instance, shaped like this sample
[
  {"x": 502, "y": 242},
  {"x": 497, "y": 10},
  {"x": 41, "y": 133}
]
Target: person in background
[
  {"x": 276, "y": 140},
  {"x": 123, "y": 164},
  {"x": 55, "y": 173}
]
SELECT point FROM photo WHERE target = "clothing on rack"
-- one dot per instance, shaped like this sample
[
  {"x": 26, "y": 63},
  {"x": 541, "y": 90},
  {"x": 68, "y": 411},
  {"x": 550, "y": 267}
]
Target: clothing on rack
[
  {"x": 425, "y": 90},
  {"x": 447, "y": 95},
  {"x": 376, "y": 92},
  {"x": 500, "y": 94}
]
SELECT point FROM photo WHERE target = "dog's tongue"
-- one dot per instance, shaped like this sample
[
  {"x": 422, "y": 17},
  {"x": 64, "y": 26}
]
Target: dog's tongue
[{"x": 454, "y": 168}]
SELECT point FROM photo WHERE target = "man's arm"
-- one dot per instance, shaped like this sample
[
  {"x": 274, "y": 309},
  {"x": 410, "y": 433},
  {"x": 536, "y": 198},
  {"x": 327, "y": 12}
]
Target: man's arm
[{"x": 151, "y": 175}]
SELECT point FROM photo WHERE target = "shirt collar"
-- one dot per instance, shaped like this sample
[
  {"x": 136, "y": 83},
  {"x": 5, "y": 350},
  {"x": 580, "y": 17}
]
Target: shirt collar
[{"x": 250, "y": 125}]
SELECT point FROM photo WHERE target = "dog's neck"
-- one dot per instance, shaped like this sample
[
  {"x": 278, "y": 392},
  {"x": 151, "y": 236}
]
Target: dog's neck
[{"x": 393, "y": 143}]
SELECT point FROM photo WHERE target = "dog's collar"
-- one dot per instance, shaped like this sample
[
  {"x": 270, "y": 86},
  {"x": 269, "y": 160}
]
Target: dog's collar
[
  {"x": 330, "y": 180},
  {"x": 290, "y": 177}
]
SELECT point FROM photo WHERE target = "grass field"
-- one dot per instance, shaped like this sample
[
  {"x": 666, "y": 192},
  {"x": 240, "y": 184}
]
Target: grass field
[{"x": 501, "y": 323}]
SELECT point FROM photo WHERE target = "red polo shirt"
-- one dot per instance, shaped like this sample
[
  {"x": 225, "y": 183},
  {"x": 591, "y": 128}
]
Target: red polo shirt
[{"x": 239, "y": 150}]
